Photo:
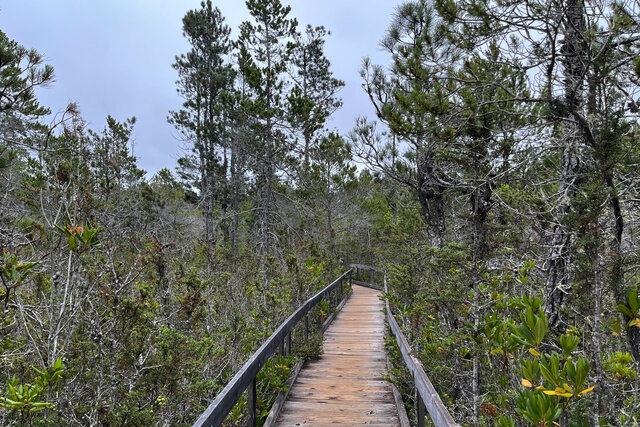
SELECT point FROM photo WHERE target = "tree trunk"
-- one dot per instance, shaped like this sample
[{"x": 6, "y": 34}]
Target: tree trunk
[
  {"x": 573, "y": 52},
  {"x": 224, "y": 202},
  {"x": 267, "y": 190},
  {"x": 267, "y": 193},
  {"x": 616, "y": 275},
  {"x": 393, "y": 205},
  {"x": 307, "y": 131},
  {"x": 392, "y": 196},
  {"x": 209, "y": 203},
  {"x": 235, "y": 195},
  {"x": 431, "y": 198},
  {"x": 593, "y": 250},
  {"x": 113, "y": 341},
  {"x": 480, "y": 205},
  {"x": 330, "y": 219}
]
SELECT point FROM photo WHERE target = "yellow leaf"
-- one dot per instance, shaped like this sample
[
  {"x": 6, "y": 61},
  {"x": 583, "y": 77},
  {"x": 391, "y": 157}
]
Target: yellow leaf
[
  {"x": 540, "y": 387},
  {"x": 566, "y": 387},
  {"x": 526, "y": 383},
  {"x": 550, "y": 392},
  {"x": 586, "y": 390},
  {"x": 637, "y": 322},
  {"x": 556, "y": 423},
  {"x": 534, "y": 352},
  {"x": 565, "y": 394}
]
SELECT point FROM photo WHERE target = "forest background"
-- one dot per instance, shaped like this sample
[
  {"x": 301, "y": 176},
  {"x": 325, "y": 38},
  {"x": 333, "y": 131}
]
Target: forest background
[{"x": 499, "y": 191}]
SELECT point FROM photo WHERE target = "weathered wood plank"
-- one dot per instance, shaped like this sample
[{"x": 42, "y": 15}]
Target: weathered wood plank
[
  {"x": 346, "y": 384},
  {"x": 337, "y": 396},
  {"x": 321, "y": 380}
]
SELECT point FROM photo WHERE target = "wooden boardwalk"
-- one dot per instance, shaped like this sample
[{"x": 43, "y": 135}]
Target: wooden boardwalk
[{"x": 346, "y": 384}]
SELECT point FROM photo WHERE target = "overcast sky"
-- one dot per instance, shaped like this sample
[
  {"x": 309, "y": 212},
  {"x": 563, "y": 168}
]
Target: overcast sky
[{"x": 114, "y": 56}]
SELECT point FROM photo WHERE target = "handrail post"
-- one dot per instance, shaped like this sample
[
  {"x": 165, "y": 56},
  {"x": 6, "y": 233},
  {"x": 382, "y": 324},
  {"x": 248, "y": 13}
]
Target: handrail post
[
  {"x": 306, "y": 327},
  {"x": 252, "y": 400},
  {"x": 289, "y": 343},
  {"x": 371, "y": 277},
  {"x": 421, "y": 410}
]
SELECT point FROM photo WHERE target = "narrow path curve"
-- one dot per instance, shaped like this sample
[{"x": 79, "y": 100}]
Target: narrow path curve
[{"x": 346, "y": 384}]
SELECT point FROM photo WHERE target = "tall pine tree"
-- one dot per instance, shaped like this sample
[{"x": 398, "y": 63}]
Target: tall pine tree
[
  {"x": 314, "y": 95},
  {"x": 265, "y": 46},
  {"x": 205, "y": 82}
]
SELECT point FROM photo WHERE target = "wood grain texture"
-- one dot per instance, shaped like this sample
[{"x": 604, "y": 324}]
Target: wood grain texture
[{"x": 346, "y": 384}]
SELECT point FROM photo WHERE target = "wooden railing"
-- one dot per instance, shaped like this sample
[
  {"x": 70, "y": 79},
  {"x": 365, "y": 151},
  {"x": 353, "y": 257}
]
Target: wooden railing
[
  {"x": 281, "y": 339},
  {"x": 428, "y": 398},
  {"x": 369, "y": 273}
]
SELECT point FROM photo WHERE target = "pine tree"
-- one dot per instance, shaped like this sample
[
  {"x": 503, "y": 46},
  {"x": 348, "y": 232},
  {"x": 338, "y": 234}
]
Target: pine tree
[
  {"x": 21, "y": 72},
  {"x": 265, "y": 46},
  {"x": 331, "y": 172},
  {"x": 206, "y": 80},
  {"x": 314, "y": 95},
  {"x": 410, "y": 99}
]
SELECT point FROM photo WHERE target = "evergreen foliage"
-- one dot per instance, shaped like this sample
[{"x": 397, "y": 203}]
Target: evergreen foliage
[{"x": 497, "y": 186}]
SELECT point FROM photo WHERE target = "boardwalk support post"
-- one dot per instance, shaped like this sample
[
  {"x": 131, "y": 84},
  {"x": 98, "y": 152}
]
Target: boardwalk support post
[
  {"x": 421, "y": 410},
  {"x": 252, "y": 400},
  {"x": 319, "y": 320}
]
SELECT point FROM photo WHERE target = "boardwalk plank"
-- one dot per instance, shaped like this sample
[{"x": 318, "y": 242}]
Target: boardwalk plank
[{"x": 346, "y": 385}]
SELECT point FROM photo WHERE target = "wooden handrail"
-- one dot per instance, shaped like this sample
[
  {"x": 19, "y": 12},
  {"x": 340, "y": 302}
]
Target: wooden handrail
[
  {"x": 428, "y": 397},
  {"x": 371, "y": 270},
  {"x": 245, "y": 378},
  {"x": 366, "y": 267}
]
